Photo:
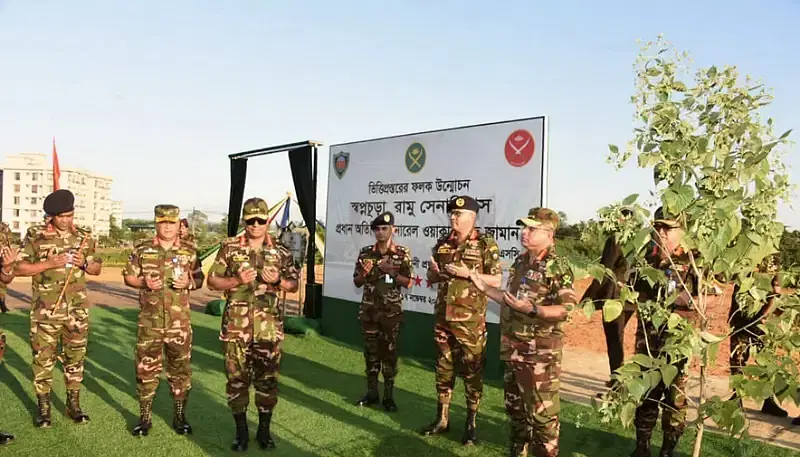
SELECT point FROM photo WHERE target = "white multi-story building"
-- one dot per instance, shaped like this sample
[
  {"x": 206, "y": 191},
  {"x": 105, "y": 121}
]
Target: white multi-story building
[
  {"x": 28, "y": 178},
  {"x": 116, "y": 211}
]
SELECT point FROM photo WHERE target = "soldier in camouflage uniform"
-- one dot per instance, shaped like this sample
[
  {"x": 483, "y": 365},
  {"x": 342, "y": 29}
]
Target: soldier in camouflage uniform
[
  {"x": 8, "y": 254},
  {"x": 460, "y": 311},
  {"x": 383, "y": 269},
  {"x": 744, "y": 326},
  {"x": 164, "y": 269},
  {"x": 651, "y": 339},
  {"x": 58, "y": 257},
  {"x": 534, "y": 308},
  {"x": 252, "y": 269},
  {"x": 5, "y": 238},
  {"x": 184, "y": 232}
]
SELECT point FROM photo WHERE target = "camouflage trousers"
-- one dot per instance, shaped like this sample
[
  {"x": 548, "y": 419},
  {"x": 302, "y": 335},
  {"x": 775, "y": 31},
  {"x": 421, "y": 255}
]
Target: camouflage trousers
[
  {"x": 256, "y": 363},
  {"x": 151, "y": 344},
  {"x": 671, "y": 399},
  {"x": 2, "y": 346},
  {"x": 461, "y": 346},
  {"x": 45, "y": 338},
  {"x": 533, "y": 402},
  {"x": 380, "y": 348},
  {"x": 741, "y": 341}
]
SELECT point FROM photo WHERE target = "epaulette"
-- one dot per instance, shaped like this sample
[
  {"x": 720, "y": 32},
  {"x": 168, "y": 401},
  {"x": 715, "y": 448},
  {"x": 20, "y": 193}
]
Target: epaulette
[
  {"x": 83, "y": 230},
  {"x": 486, "y": 238},
  {"x": 230, "y": 240},
  {"x": 143, "y": 244},
  {"x": 33, "y": 231},
  {"x": 366, "y": 249}
]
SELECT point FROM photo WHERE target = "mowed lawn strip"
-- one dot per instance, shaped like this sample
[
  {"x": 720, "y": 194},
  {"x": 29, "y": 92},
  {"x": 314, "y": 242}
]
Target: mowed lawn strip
[{"x": 320, "y": 381}]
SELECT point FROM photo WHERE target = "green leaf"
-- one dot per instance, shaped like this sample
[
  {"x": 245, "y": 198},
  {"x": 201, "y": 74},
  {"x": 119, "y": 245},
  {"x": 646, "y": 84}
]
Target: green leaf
[
  {"x": 627, "y": 295},
  {"x": 611, "y": 310},
  {"x": 643, "y": 360},
  {"x": 679, "y": 86},
  {"x": 614, "y": 149},
  {"x": 630, "y": 199},
  {"x": 713, "y": 350},
  {"x": 678, "y": 197},
  {"x": 668, "y": 373},
  {"x": 638, "y": 388},
  {"x": 674, "y": 320},
  {"x": 785, "y": 134},
  {"x": 653, "y": 276},
  {"x": 627, "y": 413},
  {"x": 653, "y": 378},
  {"x": 588, "y": 309},
  {"x": 710, "y": 338}
]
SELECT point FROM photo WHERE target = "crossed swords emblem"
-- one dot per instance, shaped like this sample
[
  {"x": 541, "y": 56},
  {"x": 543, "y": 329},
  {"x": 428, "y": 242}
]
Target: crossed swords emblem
[
  {"x": 415, "y": 154},
  {"x": 518, "y": 150}
]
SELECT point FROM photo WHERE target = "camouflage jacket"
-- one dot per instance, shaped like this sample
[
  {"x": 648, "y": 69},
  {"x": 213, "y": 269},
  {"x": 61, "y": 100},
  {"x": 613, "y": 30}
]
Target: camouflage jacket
[
  {"x": 168, "y": 307},
  {"x": 381, "y": 297},
  {"x": 541, "y": 280},
  {"x": 745, "y": 310},
  {"x": 252, "y": 311},
  {"x": 458, "y": 300},
  {"x": 47, "y": 285}
]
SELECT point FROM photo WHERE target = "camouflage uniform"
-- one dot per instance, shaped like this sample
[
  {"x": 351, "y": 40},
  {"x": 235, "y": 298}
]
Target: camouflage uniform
[
  {"x": 746, "y": 332},
  {"x": 381, "y": 314},
  {"x": 5, "y": 240},
  {"x": 460, "y": 321},
  {"x": 532, "y": 348},
  {"x": 55, "y": 318},
  {"x": 651, "y": 340},
  {"x": 252, "y": 323},
  {"x": 164, "y": 322}
]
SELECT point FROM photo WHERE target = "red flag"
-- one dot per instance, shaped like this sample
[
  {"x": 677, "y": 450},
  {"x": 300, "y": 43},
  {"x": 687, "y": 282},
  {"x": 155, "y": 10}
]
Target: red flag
[{"x": 56, "y": 168}]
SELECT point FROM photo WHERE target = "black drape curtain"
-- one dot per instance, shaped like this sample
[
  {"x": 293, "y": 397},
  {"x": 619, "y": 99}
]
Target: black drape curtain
[
  {"x": 302, "y": 162},
  {"x": 238, "y": 175}
]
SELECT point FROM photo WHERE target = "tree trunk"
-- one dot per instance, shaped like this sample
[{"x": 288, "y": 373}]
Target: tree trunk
[{"x": 698, "y": 441}]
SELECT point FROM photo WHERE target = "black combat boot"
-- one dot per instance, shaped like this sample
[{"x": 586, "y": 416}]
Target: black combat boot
[
  {"x": 772, "y": 408},
  {"x": 242, "y": 433},
  {"x": 796, "y": 421},
  {"x": 43, "y": 414},
  {"x": 442, "y": 422},
  {"x": 668, "y": 445},
  {"x": 262, "y": 435},
  {"x": 3, "y": 306},
  {"x": 179, "y": 423},
  {"x": 518, "y": 449},
  {"x": 6, "y": 438},
  {"x": 145, "y": 418},
  {"x": 642, "y": 444},
  {"x": 470, "y": 437},
  {"x": 388, "y": 397},
  {"x": 74, "y": 407},
  {"x": 372, "y": 397}
]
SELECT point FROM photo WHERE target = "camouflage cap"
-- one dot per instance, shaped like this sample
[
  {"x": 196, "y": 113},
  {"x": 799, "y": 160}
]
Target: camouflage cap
[
  {"x": 540, "y": 218},
  {"x": 255, "y": 208},
  {"x": 662, "y": 218},
  {"x": 167, "y": 213}
]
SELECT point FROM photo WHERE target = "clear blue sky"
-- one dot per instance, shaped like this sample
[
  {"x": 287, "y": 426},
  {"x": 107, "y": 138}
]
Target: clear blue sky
[{"x": 145, "y": 91}]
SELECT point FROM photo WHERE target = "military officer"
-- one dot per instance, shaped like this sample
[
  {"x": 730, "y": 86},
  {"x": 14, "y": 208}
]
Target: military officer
[
  {"x": 651, "y": 339},
  {"x": 164, "y": 269},
  {"x": 8, "y": 254},
  {"x": 745, "y": 331},
  {"x": 382, "y": 269},
  {"x": 534, "y": 308},
  {"x": 58, "y": 257},
  {"x": 5, "y": 240},
  {"x": 460, "y": 311},
  {"x": 252, "y": 269}
]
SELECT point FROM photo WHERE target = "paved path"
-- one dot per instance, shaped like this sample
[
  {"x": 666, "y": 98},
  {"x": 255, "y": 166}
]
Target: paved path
[{"x": 584, "y": 371}]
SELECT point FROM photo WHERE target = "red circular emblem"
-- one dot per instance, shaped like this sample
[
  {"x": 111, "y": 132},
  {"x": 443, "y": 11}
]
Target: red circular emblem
[{"x": 520, "y": 146}]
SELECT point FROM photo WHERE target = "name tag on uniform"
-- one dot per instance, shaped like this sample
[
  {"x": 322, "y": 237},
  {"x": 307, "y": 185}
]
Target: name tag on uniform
[
  {"x": 444, "y": 249},
  {"x": 388, "y": 279},
  {"x": 240, "y": 258},
  {"x": 472, "y": 252}
]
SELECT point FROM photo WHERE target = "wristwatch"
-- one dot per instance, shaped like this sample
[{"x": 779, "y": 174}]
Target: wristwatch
[{"x": 533, "y": 312}]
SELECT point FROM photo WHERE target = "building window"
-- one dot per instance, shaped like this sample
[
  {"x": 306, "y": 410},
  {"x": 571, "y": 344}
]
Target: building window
[
  {"x": 16, "y": 225},
  {"x": 16, "y": 187},
  {"x": 33, "y": 212},
  {"x": 35, "y": 176},
  {"x": 17, "y": 176},
  {"x": 16, "y": 213},
  {"x": 16, "y": 200},
  {"x": 33, "y": 200},
  {"x": 34, "y": 189}
]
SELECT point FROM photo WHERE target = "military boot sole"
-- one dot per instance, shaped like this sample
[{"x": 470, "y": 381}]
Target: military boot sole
[
  {"x": 46, "y": 423},
  {"x": 184, "y": 429},
  {"x": 266, "y": 444},
  {"x": 390, "y": 406},
  {"x": 141, "y": 430},
  {"x": 238, "y": 446},
  {"x": 80, "y": 419},
  {"x": 435, "y": 431},
  {"x": 6, "y": 439}
]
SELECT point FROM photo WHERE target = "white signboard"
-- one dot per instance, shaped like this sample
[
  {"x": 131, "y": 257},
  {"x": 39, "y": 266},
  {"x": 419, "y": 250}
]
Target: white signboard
[{"x": 501, "y": 165}]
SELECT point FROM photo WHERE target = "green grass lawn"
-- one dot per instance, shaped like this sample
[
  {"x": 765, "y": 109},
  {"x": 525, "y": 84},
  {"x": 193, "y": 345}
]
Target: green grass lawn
[{"x": 320, "y": 380}]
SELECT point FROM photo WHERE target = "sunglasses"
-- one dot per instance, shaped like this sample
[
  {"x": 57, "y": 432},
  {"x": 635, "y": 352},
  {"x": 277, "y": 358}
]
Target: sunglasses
[{"x": 256, "y": 221}]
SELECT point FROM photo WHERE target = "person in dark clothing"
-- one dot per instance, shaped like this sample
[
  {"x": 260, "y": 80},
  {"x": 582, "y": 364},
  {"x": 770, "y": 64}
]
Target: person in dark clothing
[{"x": 609, "y": 289}]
